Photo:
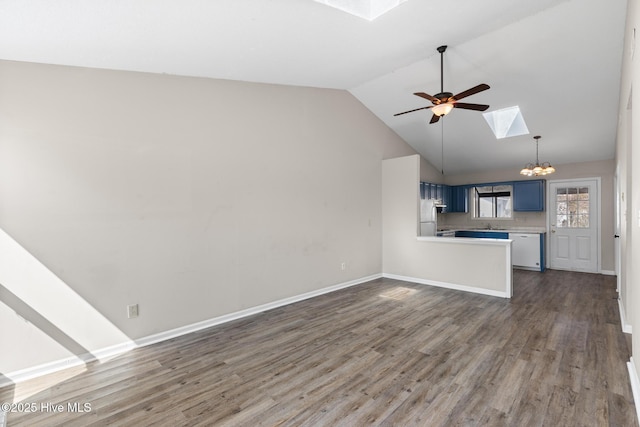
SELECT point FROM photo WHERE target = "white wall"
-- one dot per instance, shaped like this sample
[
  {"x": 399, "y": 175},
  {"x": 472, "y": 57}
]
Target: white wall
[
  {"x": 436, "y": 261},
  {"x": 628, "y": 173},
  {"x": 191, "y": 197}
]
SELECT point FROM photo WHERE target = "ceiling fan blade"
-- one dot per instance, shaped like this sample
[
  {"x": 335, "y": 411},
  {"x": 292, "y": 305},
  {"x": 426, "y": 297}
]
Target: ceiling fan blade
[
  {"x": 434, "y": 119},
  {"x": 465, "y": 106},
  {"x": 411, "y": 111},
  {"x": 471, "y": 91},
  {"x": 429, "y": 97}
]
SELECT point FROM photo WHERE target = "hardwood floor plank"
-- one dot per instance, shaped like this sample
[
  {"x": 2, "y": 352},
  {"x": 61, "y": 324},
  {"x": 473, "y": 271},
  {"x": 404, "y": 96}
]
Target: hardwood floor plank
[
  {"x": 439, "y": 412},
  {"x": 538, "y": 390},
  {"x": 512, "y": 386},
  {"x": 561, "y": 407},
  {"x": 384, "y": 353}
]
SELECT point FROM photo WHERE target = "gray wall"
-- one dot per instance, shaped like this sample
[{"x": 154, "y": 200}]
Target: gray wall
[{"x": 191, "y": 197}]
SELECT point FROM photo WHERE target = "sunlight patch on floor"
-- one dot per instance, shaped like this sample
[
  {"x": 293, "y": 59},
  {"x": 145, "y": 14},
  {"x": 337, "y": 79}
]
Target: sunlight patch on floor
[
  {"x": 399, "y": 293},
  {"x": 26, "y": 389}
]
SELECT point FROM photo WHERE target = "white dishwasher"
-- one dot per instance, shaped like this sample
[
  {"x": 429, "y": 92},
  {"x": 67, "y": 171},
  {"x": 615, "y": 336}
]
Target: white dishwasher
[{"x": 525, "y": 250}]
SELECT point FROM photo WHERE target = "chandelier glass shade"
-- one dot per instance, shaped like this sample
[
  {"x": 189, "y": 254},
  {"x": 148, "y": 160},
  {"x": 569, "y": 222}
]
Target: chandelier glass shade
[{"x": 537, "y": 169}]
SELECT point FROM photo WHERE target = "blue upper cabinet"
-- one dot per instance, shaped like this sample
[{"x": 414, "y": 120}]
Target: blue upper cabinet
[
  {"x": 436, "y": 191},
  {"x": 446, "y": 198},
  {"x": 458, "y": 200},
  {"x": 528, "y": 195},
  {"x": 440, "y": 192},
  {"x": 427, "y": 190}
]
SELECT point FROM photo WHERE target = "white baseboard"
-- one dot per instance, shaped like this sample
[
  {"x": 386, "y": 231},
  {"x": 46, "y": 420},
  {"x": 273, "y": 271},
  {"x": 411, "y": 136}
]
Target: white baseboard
[
  {"x": 66, "y": 363},
  {"x": 111, "y": 351},
  {"x": 162, "y": 336},
  {"x": 21, "y": 375},
  {"x": 626, "y": 327},
  {"x": 608, "y": 272},
  {"x": 635, "y": 385},
  {"x": 454, "y": 286}
]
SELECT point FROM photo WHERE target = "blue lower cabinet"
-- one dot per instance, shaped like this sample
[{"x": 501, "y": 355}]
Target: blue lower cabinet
[
  {"x": 482, "y": 234},
  {"x": 466, "y": 234}
]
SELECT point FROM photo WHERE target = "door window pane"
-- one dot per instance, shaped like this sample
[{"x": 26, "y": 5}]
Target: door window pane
[{"x": 572, "y": 207}]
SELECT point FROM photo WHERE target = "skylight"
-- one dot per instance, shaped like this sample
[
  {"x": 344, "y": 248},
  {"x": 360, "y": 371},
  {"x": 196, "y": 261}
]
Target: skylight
[
  {"x": 366, "y": 9},
  {"x": 506, "y": 122}
]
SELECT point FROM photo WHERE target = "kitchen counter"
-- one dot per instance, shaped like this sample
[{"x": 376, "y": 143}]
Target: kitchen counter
[
  {"x": 528, "y": 243},
  {"x": 532, "y": 230},
  {"x": 436, "y": 260}
]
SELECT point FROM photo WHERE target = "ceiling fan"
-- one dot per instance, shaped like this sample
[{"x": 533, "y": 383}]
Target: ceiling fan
[{"x": 444, "y": 102}]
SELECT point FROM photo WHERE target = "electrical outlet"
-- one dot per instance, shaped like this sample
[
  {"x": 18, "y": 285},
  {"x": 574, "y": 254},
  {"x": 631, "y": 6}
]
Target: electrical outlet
[
  {"x": 343, "y": 266},
  {"x": 132, "y": 311}
]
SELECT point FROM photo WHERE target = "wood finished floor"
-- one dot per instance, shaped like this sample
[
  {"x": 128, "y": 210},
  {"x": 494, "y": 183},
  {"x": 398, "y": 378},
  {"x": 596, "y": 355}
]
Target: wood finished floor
[{"x": 382, "y": 353}]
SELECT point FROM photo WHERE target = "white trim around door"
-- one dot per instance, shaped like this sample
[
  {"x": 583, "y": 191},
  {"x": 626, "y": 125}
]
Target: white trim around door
[{"x": 574, "y": 224}]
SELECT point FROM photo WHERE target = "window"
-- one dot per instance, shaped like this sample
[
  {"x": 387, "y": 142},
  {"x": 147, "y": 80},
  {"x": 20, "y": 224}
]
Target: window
[
  {"x": 492, "y": 201},
  {"x": 572, "y": 207}
]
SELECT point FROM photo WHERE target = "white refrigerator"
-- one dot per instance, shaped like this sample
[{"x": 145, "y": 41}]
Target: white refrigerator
[{"x": 428, "y": 217}]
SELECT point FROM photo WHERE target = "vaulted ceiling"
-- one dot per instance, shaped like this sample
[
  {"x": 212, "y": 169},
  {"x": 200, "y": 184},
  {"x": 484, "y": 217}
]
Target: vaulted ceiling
[{"x": 558, "y": 60}]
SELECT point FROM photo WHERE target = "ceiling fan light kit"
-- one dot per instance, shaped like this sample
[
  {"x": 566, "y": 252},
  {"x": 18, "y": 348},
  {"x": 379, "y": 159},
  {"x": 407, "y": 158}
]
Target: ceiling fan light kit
[
  {"x": 442, "y": 109},
  {"x": 444, "y": 102},
  {"x": 538, "y": 169}
]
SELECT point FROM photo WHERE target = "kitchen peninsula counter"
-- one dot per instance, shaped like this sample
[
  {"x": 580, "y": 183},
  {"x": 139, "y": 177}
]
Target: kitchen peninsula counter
[{"x": 481, "y": 266}]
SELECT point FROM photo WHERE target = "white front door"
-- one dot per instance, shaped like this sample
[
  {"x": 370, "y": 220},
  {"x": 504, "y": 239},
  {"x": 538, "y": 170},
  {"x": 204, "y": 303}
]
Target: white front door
[{"x": 574, "y": 225}]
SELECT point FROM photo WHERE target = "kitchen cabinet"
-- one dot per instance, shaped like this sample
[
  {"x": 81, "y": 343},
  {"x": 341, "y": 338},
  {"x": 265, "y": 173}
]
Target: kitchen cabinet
[
  {"x": 482, "y": 234},
  {"x": 458, "y": 199},
  {"x": 527, "y": 250},
  {"x": 436, "y": 191},
  {"x": 431, "y": 191},
  {"x": 427, "y": 190},
  {"x": 528, "y": 196},
  {"x": 444, "y": 194}
]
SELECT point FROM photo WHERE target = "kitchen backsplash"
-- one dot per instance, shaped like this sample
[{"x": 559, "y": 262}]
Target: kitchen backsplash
[{"x": 520, "y": 219}]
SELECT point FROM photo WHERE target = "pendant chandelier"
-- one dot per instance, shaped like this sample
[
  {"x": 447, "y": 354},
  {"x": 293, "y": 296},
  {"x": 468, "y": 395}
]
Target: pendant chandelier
[{"x": 538, "y": 169}]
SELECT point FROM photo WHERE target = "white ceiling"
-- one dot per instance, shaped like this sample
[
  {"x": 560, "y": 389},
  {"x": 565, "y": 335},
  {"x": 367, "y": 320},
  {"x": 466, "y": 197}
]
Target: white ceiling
[{"x": 560, "y": 61}]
